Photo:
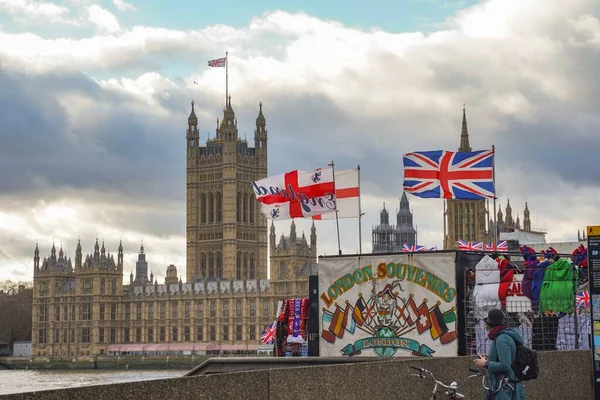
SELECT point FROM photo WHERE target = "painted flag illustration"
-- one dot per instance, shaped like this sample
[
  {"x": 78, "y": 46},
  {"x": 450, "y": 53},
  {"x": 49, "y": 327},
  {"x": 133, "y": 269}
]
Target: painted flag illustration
[
  {"x": 347, "y": 193},
  {"x": 359, "y": 308},
  {"x": 297, "y": 194},
  {"x": 450, "y": 175},
  {"x": 450, "y": 321},
  {"x": 219, "y": 62},
  {"x": 438, "y": 325},
  {"x": 268, "y": 335},
  {"x": 472, "y": 246}
]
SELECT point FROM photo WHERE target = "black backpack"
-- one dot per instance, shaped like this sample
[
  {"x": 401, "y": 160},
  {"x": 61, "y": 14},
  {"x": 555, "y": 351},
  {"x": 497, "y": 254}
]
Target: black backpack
[{"x": 526, "y": 365}]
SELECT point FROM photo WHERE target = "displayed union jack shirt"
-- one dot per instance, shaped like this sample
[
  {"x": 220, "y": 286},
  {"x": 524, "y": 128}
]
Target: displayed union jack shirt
[
  {"x": 450, "y": 175},
  {"x": 297, "y": 194}
]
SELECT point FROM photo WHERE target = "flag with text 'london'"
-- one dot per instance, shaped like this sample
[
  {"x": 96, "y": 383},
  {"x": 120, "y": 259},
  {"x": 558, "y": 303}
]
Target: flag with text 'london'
[
  {"x": 450, "y": 175},
  {"x": 297, "y": 194},
  {"x": 347, "y": 194}
]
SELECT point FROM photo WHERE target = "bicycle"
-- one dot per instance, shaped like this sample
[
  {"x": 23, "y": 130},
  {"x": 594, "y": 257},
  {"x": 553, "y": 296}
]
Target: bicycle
[
  {"x": 491, "y": 391},
  {"x": 451, "y": 392}
]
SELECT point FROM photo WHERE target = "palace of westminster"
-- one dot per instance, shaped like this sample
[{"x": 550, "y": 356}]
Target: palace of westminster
[{"x": 84, "y": 308}]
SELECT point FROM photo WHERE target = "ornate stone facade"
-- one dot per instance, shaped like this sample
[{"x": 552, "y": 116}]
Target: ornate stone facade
[{"x": 227, "y": 301}]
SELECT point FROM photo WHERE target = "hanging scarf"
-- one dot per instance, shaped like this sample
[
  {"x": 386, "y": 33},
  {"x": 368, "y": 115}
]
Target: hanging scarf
[
  {"x": 495, "y": 330},
  {"x": 294, "y": 334}
]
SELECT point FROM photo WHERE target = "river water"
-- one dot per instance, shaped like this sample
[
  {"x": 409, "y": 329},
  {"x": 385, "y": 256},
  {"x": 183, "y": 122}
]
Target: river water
[{"x": 31, "y": 381}]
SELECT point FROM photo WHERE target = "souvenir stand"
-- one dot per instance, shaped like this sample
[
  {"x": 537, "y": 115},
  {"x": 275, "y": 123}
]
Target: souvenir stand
[{"x": 292, "y": 327}]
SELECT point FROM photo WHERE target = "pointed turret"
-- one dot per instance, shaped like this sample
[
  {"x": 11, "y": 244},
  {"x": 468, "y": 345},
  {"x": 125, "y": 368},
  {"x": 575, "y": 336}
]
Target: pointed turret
[
  {"x": 272, "y": 238},
  {"x": 526, "y": 218},
  {"x": 293, "y": 234},
  {"x": 227, "y": 131},
  {"x": 384, "y": 216},
  {"x": 36, "y": 257},
  {"x": 193, "y": 136},
  {"x": 96, "y": 249},
  {"x": 509, "y": 219},
  {"x": 103, "y": 249},
  {"x": 518, "y": 223},
  {"x": 260, "y": 138},
  {"x": 464, "y": 134},
  {"x": 120, "y": 255},
  {"x": 500, "y": 215}
]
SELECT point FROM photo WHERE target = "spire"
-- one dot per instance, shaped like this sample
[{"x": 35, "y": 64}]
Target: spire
[
  {"x": 272, "y": 227},
  {"x": 37, "y": 250},
  {"x": 192, "y": 119},
  {"x": 227, "y": 131},
  {"x": 509, "y": 220},
  {"x": 526, "y": 218},
  {"x": 103, "y": 249},
  {"x": 500, "y": 215},
  {"x": 260, "y": 119},
  {"x": 404, "y": 205},
  {"x": 384, "y": 216},
  {"x": 464, "y": 135}
]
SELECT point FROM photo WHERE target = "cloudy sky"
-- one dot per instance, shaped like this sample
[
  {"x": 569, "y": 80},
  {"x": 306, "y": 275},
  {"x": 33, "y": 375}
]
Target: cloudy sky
[{"x": 95, "y": 94}]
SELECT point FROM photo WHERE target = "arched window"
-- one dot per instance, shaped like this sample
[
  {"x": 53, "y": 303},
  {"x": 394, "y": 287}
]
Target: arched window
[
  {"x": 219, "y": 207},
  {"x": 238, "y": 207},
  {"x": 282, "y": 270},
  {"x": 245, "y": 272},
  {"x": 211, "y": 265},
  {"x": 238, "y": 266},
  {"x": 252, "y": 270},
  {"x": 211, "y": 208},
  {"x": 203, "y": 265},
  {"x": 245, "y": 208},
  {"x": 219, "y": 265},
  {"x": 251, "y": 206},
  {"x": 203, "y": 208}
]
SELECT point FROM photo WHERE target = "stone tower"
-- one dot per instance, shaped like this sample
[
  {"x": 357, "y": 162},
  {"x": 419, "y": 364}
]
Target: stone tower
[
  {"x": 141, "y": 268},
  {"x": 293, "y": 259},
  {"x": 465, "y": 219},
  {"x": 226, "y": 233},
  {"x": 405, "y": 231}
]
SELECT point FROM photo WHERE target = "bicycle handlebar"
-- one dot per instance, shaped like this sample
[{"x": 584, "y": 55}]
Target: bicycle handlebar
[
  {"x": 474, "y": 370},
  {"x": 417, "y": 368}
]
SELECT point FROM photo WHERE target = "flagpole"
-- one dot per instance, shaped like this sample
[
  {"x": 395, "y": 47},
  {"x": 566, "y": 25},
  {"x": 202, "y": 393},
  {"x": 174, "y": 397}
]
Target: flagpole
[
  {"x": 444, "y": 238},
  {"x": 337, "y": 221},
  {"x": 494, "y": 180},
  {"x": 226, "y": 79},
  {"x": 360, "y": 214}
]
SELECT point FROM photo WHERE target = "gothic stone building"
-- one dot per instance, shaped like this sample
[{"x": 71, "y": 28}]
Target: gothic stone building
[
  {"x": 85, "y": 309},
  {"x": 389, "y": 238},
  {"x": 469, "y": 220}
]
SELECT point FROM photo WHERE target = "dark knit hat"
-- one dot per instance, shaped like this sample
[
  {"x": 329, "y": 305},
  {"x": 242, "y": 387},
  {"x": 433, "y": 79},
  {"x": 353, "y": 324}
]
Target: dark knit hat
[{"x": 495, "y": 317}]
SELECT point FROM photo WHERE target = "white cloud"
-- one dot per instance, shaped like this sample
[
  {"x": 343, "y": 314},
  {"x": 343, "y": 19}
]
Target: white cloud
[
  {"x": 103, "y": 19},
  {"x": 122, "y": 5},
  {"x": 31, "y": 9},
  {"x": 527, "y": 74}
]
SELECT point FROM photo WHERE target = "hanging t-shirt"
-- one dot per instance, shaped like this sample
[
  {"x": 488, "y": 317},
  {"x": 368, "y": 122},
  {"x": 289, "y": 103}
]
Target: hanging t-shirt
[{"x": 487, "y": 282}]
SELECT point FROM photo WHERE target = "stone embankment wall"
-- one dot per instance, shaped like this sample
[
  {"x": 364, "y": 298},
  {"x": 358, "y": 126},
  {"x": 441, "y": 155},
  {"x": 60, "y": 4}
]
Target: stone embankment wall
[
  {"x": 105, "y": 362},
  {"x": 564, "y": 375}
]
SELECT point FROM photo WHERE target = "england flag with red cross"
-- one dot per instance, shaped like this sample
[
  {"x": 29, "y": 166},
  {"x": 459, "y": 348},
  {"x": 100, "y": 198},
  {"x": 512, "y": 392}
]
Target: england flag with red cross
[
  {"x": 450, "y": 175},
  {"x": 297, "y": 194}
]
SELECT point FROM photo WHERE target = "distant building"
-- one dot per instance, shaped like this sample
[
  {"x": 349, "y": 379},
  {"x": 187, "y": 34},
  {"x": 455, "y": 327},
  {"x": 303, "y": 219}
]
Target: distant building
[
  {"x": 22, "y": 349},
  {"x": 389, "y": 238}
]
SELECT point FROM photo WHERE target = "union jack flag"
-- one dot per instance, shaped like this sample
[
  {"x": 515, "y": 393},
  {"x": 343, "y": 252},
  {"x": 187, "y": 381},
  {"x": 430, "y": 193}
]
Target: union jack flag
[
  {"x": 582, "y": 299},
  {"x": 462, "y": 245},
  {"x": 219, "y": 62},
  {"x": 450, "y": 175},
  {"x": 268, "y": 335},
  {"x": 502, "y": 246},
  {"x": 408, "y": 249}
]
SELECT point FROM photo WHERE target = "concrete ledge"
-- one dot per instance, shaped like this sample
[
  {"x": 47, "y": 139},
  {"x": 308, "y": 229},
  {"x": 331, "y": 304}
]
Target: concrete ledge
[{"x": 563, "y": 374}]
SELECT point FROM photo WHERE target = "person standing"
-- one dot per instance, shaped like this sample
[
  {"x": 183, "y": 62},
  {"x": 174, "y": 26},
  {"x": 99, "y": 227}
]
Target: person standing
[{"x": 501, "y": 357}]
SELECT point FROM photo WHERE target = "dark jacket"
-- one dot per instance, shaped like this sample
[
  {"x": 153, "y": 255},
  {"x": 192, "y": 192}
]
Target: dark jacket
[{"x": 500, "y": 358}]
